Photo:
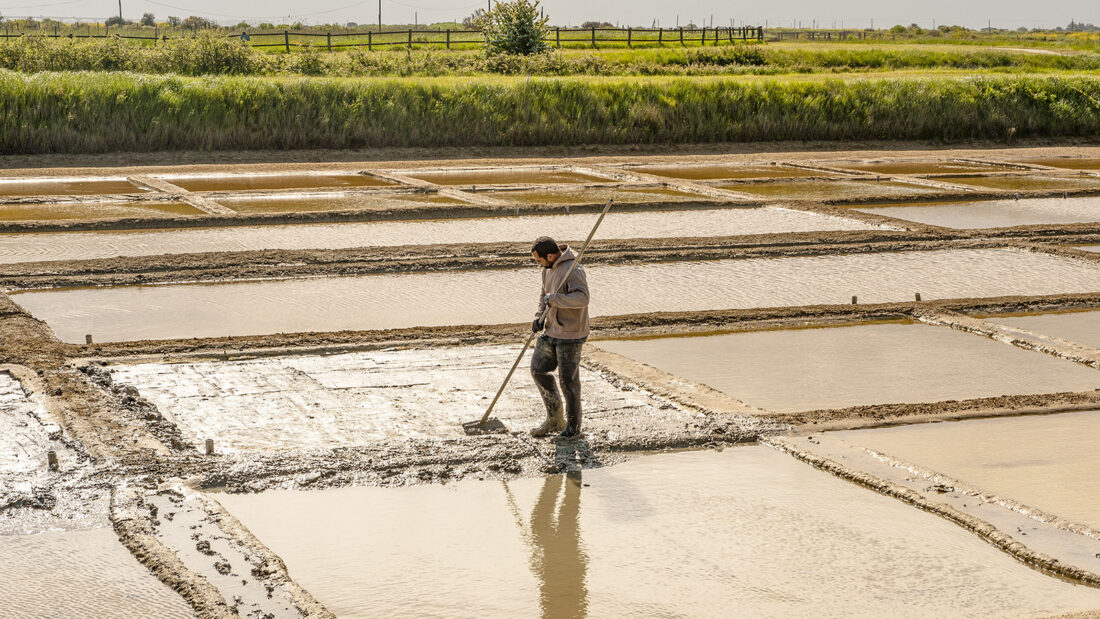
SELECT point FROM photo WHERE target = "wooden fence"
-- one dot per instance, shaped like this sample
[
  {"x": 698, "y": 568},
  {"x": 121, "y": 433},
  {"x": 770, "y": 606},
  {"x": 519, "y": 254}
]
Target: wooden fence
[{"x": 448, "y": 39}]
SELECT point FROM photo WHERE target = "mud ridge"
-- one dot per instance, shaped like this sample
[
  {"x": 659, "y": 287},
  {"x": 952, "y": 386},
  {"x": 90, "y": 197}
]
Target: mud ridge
[
  {"x": 979, "y": 527},
  {"x": 131, "y": 519}
]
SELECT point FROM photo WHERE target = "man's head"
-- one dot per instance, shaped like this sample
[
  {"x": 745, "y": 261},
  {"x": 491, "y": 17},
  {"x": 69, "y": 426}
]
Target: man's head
[{"x": 545, "y": 251}]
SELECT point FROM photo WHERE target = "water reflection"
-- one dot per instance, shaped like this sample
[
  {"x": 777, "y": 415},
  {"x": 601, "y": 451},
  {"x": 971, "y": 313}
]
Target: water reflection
[{"x": 558, "y": 559}]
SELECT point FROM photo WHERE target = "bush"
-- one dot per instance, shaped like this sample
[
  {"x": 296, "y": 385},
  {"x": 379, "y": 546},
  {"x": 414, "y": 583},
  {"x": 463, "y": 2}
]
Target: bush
[{"x": 515, "y": 28}]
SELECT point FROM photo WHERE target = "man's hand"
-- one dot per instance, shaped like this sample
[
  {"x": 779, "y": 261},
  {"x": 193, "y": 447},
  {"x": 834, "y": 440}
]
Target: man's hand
[
  {"x": 536, "y": 325},
  {"x": 546, "y": 300}
]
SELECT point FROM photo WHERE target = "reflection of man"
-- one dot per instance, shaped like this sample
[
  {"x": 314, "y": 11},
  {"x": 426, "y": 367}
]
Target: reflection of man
[
  {"x": 564, "y": 316},
  {"x": 560, "y": 562}
]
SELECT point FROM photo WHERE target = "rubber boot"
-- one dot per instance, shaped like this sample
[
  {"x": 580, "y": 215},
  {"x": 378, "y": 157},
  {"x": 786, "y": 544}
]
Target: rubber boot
[
  {"x": 573, "y": 428},
  {"x": 553, "y": 423}
]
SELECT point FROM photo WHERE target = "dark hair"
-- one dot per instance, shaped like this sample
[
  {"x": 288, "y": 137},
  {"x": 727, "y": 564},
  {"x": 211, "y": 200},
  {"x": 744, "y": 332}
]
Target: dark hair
[{"x": 544, "y": 246}]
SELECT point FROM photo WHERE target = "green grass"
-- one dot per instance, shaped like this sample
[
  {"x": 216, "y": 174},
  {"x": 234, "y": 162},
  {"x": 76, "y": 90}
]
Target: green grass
[
  {"x": 89, "y": 113},
  {"x": 213, "y": 55}
]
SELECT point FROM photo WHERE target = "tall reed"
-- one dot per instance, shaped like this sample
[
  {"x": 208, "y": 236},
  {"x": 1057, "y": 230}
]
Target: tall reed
[{"x": 89, "y": 113}]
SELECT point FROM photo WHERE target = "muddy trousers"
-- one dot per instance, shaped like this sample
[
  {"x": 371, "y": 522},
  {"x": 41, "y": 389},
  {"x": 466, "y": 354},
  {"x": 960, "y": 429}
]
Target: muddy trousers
[{"x": 564, "y": 356}]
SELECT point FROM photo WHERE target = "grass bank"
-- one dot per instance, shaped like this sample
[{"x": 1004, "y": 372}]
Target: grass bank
[
  {"x": 218, "y": 56},
  {"x": 92, "y": 113}
]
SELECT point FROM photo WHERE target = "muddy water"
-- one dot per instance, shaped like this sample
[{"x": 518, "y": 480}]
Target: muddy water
[
  {"x": 809, "y": 369},
  {"x": 1068, "y": 163},
  {"x": 1049, "y": 462},
  {"x": 80, "y": 574},
  {"x": 106, "y": 210},
  {"x": 666, "y": 224},
  {"x": 428, "y": 299},
  {"x": 505, "y": 177},
  {"x": 829, "y": 190},
  {"x": 67, "y": 187},
  {"x": 996, "y": 213},
  {"x": 719, "y": 172},
  {"x": 311, "y": 203},
  {"x": 596, "y": 196},
  {"x": 923, "y": 167},
  {"x": 1022, "y": 183},
  {"x": 685, "y": 534},
  {"x": 1092, "y": 248},
  {"x": 272, "y": 181},
  {"x": 1080, "y": 327}
]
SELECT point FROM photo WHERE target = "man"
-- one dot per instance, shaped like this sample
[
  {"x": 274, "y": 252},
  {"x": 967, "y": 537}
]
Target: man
[{"x": 563, "y": 318}]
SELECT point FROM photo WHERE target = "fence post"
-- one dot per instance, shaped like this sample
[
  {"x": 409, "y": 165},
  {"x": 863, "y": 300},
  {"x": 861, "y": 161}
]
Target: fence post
[
  {"x": 629, "y": 33},
  {"x": 660, "y": 37},
  {"x": 681, "y": 36},
  {"x": 593, "y": 38},
  {"x": 448, "y": 38},
  {"x": 328, "y": 38},
  {"x": 370, "y": 41},
  {"x": 703, "y": 41},
  {"x": 410, "y": 44},
  {"x": 156, "y": 34},
  {"x": 557, "y": 35},
  {"x": 286, "y": 40}
]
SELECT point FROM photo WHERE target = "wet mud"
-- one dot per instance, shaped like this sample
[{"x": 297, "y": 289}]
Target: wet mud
[{"x": 129, "y": 421}]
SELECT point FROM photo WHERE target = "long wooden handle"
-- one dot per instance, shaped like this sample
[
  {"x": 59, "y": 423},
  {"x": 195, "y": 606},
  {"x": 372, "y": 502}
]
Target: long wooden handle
[{"x": 527, "y": 344}]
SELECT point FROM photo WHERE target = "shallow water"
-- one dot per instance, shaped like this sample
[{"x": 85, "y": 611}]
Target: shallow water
[
  {"x": 686, "y": 534},
  {"x": 1045, "y": 461},
  {"x": 504, "y": 177},
  {"x": 596, "y": 196},
  {"x": 720, "y": 171},
  {"x": 1069, "y": 163},
  {"x": 27, "y": 247},
  {"x": 509, "y": 296},
  {"x": 237, "y": 182},
  {"x": 67, "y": 187},
  {"x": 830, "y": 190},
  {"x": 1092, "y": 248},
  {"x": 1023, "y": 183},
  {"x": 923, "y": 167},
  {"x": 996, "y": 213},
  {"x": 1080, "y": 327},
  {"x": 310, "y": 203},
  {"x": 105, "y": 210},
  {"x": 807, "y": 369},
  {"x": 80, "y": 574}
]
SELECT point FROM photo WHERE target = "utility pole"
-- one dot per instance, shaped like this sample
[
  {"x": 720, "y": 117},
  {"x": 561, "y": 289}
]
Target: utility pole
[
  {"x": 119, "y": 13},
  {"x": 379, "y": 15}
]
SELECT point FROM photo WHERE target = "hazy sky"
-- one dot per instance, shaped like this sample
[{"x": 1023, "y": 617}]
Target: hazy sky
[{"x": 850, "y": 13}]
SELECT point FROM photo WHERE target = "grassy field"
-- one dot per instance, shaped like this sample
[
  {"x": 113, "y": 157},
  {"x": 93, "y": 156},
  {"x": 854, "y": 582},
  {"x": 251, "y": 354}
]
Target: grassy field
[
  {"x": 215, "y": 55},
  {"x": 215, "y": 93},
  {"x": 88, "y": 112}
]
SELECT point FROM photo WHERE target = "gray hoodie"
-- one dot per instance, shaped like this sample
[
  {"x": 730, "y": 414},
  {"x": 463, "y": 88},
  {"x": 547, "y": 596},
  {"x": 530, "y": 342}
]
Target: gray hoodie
[{"x": 566, "y": 317}]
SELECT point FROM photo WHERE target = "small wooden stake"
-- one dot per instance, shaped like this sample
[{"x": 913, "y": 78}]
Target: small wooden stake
[
  {"x": 88, "y": 338},
  {"x": 855, "y": 300},
  {"x": 209, "y": 446},
  {"x": 51, "y": 459},
  {"x": 917, "y": 296}
]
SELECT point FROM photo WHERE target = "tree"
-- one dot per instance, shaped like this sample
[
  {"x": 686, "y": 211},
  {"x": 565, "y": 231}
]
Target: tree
[
  {"x": 148, "y": 19},
  {"x": 173, "y": 21},
  {"x": 196, "y": 23},
  {"x": 116, "y": 20},
  {"x": 588, "y": 25},
  {"x": 475, "y": 20},
  {"x": 515, "y": 28}
]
